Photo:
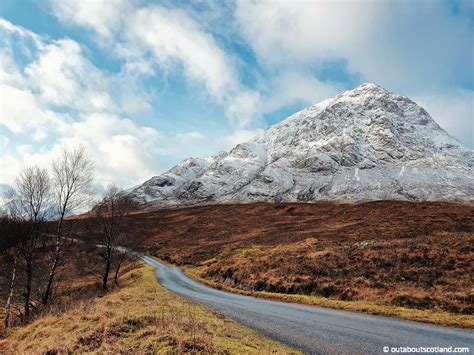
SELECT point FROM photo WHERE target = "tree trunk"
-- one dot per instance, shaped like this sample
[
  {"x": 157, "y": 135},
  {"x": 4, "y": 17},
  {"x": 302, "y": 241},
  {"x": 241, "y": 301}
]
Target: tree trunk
[
  {"x": 27, "y": 295},
  {"x": 117, "y": 271},
  {"x": 54, "y": 265},
  {"x": 108, "y": 265},
  {"x": 6, "y": 321},
  {"x": 105, "y": 277},
  {"x": 52, "y": 271}
]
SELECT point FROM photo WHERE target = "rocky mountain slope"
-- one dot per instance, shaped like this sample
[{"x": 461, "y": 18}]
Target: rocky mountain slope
[{"x": 363, "y": 144}]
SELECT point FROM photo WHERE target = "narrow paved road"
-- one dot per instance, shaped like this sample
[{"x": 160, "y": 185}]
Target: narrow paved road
[{"x": 312, "y": 329}]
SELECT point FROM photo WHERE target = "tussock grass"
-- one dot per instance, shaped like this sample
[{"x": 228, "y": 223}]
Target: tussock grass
[{"x": 141, "y": 317}]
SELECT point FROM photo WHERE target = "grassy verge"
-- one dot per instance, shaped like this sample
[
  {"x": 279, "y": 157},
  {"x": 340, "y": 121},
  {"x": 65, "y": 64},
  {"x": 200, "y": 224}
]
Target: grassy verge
[
  {"x": 421, "y": 315},
  {"x": 140, "y": 317}
]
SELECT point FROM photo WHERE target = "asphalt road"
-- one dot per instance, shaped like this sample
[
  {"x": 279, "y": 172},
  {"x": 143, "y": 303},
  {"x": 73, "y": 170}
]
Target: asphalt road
[{"x": 313, "y": 329}]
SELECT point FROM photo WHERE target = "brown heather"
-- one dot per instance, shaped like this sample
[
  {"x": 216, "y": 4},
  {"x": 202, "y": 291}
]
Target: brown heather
[{"x": 416, "y": 258}]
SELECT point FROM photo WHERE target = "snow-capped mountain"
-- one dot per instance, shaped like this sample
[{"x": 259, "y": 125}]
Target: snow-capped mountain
[{"x": 362, "y": 144}]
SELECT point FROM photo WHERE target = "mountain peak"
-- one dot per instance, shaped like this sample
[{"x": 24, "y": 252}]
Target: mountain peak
[
  {"x": 364, "y": 90},
  {"x": 366, "y": 143},
  {"x": 370, "y": 87}
]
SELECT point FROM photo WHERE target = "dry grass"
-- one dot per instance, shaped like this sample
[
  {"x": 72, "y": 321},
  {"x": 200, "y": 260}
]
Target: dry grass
[
  {"x": 422, "y": 315},
  {"x": 78, "y": 279},
  {"x": 141, "y": 317},
  {"x": 408, "y": 258}
]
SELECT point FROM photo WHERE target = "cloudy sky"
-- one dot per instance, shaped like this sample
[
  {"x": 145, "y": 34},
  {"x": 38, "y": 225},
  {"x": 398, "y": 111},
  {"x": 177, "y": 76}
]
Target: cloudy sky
[{"x": 143, "y": 84}]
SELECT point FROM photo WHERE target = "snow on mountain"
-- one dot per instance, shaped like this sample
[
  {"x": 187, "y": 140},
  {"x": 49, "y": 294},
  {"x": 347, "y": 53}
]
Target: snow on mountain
[{"x": 363, "y": 144}]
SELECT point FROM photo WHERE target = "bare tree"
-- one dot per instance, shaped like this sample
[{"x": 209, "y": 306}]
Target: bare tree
[
  {"x": 72, "y": 175},
  {"x": 14, "y": 232},
  {"x": 9, "y": 257},
  {"x": 123, "y": 252},
  {"x": 112, "y": 230},
  {"x": 28, "y": 206},
  {"x": 11, "y": 288}
]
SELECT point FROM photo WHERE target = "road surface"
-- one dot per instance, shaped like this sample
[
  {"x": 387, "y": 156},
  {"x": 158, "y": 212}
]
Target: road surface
[{"x": 313, "y": 329}]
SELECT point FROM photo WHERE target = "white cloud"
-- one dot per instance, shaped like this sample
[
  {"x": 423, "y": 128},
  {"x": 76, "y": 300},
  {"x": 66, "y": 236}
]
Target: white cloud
[
  {"x": 173, "y": 40},
  {"x": 300, "y": 32},
  {"x": 61, "y": 79},
  {"x": 173, "y": 35},
  {"x": 64, "y": 77},
  {"x": 9, "y": 72},
  {"x": 124, "y": 151},
  {"x": 20, "y": 109},
  {"x": 98, "y": 126},
  {"x": 19, "y": 31},
  {"x": 22, "y": 113},
  {"x": 10, "y": 166},
  {"x": 104, "y": 17},
  {"x": 243, "y": 109},
  {"x": 239, "y": 136},
  {"x": 393, "y": 43},
  {"x": 453, "y": 111},
  {"x": 296, "y": 87}
]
